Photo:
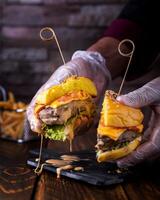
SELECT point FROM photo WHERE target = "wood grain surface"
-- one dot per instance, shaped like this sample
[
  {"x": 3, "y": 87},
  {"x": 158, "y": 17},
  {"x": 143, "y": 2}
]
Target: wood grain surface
[{"x": 17, "y": 180}]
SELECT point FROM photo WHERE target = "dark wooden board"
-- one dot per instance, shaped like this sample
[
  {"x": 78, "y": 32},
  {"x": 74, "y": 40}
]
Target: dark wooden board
[
  {"x": 18, "y": 181},
  {"x": 94, "y": 173}
]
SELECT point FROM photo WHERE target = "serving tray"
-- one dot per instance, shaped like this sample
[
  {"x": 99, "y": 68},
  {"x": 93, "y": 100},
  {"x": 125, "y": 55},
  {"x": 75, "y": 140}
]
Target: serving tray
[{"x": 94, "y": 173}]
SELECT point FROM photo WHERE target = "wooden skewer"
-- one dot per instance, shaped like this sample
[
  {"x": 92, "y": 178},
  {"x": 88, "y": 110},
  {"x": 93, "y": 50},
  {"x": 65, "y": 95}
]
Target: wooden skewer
[
  {"x": 39, "y": 167},
  {"x": 52, "y": 36},
  {"x": 129, "y": 55}
]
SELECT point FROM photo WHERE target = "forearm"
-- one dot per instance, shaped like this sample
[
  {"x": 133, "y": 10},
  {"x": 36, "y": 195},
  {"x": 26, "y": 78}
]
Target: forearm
[{"x": 108, "y": 48}]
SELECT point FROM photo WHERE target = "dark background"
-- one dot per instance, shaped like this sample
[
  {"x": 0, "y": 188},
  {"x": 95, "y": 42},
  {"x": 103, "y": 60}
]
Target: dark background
[{"x": 25, "y": 61}]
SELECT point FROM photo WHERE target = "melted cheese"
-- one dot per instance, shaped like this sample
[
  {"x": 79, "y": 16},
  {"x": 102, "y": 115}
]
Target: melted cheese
[
  {"x": 115, "y": 132},
  {"x": 111, "y": 132},
  {"x": 38, "y": 108},
  {"x": 72, "y": 96},
  {"x": 137, "y": 129}
]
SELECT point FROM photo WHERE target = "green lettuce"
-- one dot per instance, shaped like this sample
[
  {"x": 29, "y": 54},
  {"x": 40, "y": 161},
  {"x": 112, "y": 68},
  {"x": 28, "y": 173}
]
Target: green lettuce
[
  {"x": 54, "y": 132},
  {"x": 57, "y": 132}
]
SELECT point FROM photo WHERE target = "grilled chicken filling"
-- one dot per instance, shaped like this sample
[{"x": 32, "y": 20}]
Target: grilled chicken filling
[
  {"x": 60, "y": 115},
  {"x": 105, "y": 143}
]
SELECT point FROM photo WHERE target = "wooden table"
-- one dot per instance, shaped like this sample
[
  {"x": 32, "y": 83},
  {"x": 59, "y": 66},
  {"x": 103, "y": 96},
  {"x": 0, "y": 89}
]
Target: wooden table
[{"x": 18, "y": 182}]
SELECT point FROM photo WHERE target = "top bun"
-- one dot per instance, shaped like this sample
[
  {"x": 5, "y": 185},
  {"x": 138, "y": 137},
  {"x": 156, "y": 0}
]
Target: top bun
[
  {"x": 119, "y": 115},
  {"x": 73, "y": 83}
]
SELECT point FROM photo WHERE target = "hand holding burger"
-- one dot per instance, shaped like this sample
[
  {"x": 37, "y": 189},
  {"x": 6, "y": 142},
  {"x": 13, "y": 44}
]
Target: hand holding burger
[
  {"x": 84, "y": 64},
  {"x": 148, "y": 95},
  {"x": 119, "y": 131}
]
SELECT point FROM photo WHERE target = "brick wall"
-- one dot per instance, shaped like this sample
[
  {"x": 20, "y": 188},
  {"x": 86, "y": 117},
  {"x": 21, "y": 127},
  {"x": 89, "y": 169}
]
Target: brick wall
[{"x": 25, "y": 61}]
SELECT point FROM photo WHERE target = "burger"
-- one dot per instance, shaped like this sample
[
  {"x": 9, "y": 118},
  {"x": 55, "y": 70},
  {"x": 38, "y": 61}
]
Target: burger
[
  {"x": 119, "y": 130},
  {"x": 67, "y": 108}
]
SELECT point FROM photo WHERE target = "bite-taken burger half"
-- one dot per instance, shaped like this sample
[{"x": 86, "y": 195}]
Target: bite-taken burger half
[
  {"x": 67, "y": 108},
  {"x": 119, "y": 130}
]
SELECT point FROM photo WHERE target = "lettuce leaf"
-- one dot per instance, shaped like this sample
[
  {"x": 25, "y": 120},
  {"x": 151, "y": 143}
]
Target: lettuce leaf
[
  {"x": 54, "y": 132},
  {"x": 57, "y": 132}
]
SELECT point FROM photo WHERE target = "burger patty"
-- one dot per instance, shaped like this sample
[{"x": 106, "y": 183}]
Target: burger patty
[
  {"x": 60, "y": 115},
  {"x": 106, "y": 143}
]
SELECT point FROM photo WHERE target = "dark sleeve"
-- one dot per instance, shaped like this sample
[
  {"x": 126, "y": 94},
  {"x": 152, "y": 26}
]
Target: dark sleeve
[{"x": 139, "y": 21}]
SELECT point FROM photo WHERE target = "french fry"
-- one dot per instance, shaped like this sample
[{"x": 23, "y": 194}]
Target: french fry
[
  {"x": 1, "y": 118},
  {"x": 19, "y": 129},
  {"x": 12, "y": 122},
  {"x": 11, "y": 97},
  {"x": 21, "y": 105},
  {"x": 15, "y": 106},
  {"x": 14, "y": 115},
  {"x": 5, "y": 105},
  {"x": 9, "y": 131}
]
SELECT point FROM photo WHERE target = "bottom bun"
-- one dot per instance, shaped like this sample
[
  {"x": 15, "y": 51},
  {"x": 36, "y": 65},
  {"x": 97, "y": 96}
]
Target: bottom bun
[{"x": 118, "y": 153}]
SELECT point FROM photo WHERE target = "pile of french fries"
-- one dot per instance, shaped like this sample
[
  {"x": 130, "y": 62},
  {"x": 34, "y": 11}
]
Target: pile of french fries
[{"x": 12, "y": 116}]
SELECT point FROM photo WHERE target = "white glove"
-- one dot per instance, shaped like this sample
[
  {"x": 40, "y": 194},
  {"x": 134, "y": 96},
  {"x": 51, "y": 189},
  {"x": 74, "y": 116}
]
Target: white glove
[
  {"x": 148, "y": 95},
  {"x": 83, "y": 63}
]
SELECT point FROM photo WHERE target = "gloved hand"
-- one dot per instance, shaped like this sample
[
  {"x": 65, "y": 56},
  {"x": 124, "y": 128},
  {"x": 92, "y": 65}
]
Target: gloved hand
[
  {"x": 148, "y": 95},
  {"x": 83, "y": 63}
]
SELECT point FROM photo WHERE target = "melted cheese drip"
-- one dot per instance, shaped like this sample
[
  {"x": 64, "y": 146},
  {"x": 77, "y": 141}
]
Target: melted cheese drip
[
  {"x": 57, "y": 162},
  {"x": 71, "y": 145},
  {"x": 79, "y": 169},
  {"x": 66, "y": 167}
]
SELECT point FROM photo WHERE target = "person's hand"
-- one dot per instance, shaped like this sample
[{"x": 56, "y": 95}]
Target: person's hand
[
  {"x": 148, "y": 95},
  {"x": 83, "y": 63}
]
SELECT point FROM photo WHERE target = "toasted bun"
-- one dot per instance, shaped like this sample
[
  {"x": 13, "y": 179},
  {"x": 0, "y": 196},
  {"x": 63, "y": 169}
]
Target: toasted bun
[
  {"x": 38, "y": 108},
  {"x": 69, "y": 85},
  {"x": 118, "y": 153},
  {"x": 119, "y": 115}
]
